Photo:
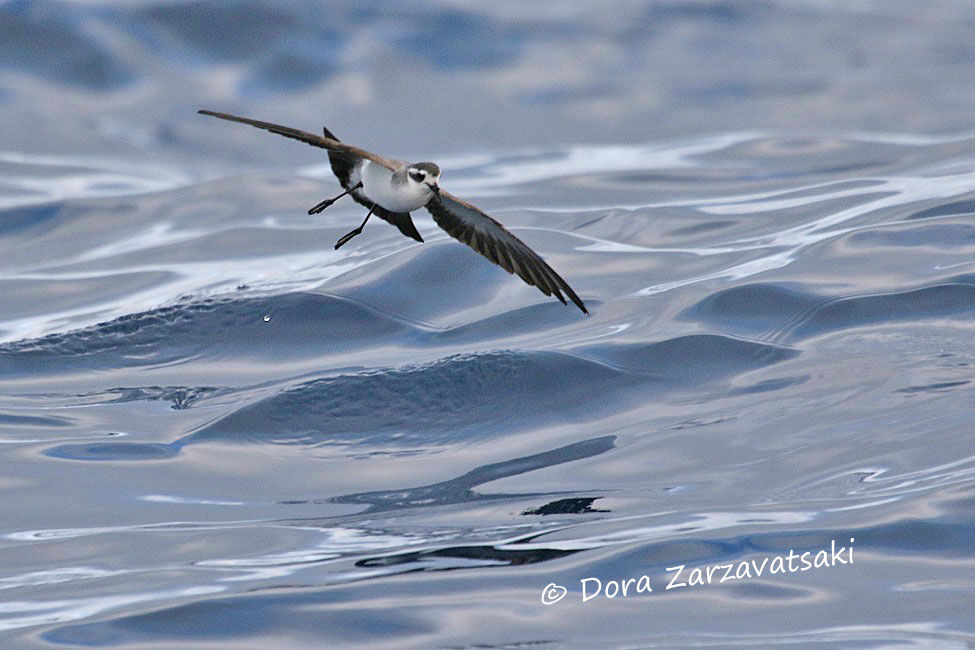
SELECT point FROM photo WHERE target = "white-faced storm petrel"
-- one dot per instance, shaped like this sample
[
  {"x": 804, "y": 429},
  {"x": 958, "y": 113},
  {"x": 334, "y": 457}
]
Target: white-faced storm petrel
[{"x": 391, "y": 189}]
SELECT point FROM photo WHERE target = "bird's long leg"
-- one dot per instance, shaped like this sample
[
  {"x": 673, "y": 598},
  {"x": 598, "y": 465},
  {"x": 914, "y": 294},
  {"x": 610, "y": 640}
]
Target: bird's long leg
[
  {"x": 355, "y": 232},
  {"x": 327, "y": 202}
]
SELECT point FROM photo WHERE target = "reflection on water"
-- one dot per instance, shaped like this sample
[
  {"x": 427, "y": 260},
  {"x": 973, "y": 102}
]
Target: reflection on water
[{"x": 216, "y": 430}]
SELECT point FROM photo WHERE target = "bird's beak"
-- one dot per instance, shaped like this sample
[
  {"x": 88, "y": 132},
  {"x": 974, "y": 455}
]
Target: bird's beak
[{"x": 435, "y": 188}]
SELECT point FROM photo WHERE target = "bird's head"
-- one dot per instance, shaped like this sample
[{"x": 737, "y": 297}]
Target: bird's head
[{"x": 425, "y": 174}]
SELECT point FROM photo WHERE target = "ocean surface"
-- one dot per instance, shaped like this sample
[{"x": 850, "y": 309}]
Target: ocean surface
[{"x": 218, "y": 431}]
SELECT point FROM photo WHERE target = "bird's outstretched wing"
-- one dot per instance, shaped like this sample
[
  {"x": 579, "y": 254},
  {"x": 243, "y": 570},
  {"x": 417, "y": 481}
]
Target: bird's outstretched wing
[
  {"x": 470, "y": 225},
  {"x": 347, "y": 151},
  {"x": 343, "y": 157}
]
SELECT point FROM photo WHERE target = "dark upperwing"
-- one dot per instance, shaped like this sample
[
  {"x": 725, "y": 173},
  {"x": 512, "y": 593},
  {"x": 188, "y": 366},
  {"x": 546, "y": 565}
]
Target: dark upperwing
[{"x": 472, "y": 226}]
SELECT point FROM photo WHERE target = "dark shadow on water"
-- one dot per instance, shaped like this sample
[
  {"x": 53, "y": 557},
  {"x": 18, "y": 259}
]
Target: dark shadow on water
[
  {"x": 446, "y": 559},
  {"x": 460, "y": 489},
  {"x": 574, "y": 506}
]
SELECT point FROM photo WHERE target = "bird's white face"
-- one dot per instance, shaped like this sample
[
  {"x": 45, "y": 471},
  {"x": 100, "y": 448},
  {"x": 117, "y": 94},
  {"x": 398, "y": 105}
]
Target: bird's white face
[{"x": 425, "y": 176}]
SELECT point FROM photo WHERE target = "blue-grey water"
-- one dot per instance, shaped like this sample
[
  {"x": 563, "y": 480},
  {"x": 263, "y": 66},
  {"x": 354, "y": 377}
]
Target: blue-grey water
[{"x": 217, "y": 431}]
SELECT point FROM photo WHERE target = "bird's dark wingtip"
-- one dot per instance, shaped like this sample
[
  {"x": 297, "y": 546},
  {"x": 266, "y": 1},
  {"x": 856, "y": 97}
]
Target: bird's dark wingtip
[
  {"x": 578, "y": 303},
  {"x": 576, "y": 300}
]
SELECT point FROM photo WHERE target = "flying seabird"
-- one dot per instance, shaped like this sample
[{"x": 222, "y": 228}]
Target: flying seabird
[{"x": 391, "y": 189}]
